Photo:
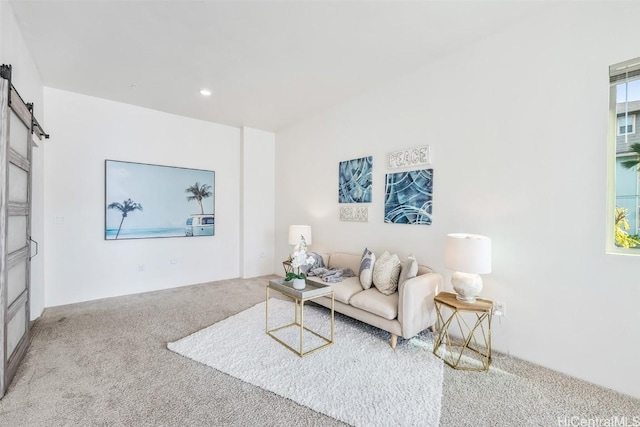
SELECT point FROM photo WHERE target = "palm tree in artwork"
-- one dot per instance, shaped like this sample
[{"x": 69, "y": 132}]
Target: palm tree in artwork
[
  {"x": 125, "y": 207},
  {"x": 634, "y": 162},
  {"x": 199, "y": 192}
]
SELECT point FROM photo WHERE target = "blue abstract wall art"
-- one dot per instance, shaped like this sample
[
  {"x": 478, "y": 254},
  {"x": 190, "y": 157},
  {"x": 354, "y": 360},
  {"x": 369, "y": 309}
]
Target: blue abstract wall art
[
  {"x": 355, "y": 180},
  {"x": 408, "y": 197}
]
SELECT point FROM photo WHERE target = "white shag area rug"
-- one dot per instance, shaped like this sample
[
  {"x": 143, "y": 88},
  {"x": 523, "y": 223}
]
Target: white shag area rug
[{"x": 359, "y": 380}]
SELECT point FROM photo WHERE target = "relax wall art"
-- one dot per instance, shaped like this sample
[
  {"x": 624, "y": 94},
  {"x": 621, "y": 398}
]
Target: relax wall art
[
  {"x": 146, "y": 201},
  {"x": 354, "y": 180},
  {"x": 408, "y": 197}
]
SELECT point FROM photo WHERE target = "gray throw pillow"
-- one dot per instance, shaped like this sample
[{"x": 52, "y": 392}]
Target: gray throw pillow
[
  {"x": 409, "y": 271},
  {"x": 366, "y": 268},
  {"x": 386, "y": 272}
]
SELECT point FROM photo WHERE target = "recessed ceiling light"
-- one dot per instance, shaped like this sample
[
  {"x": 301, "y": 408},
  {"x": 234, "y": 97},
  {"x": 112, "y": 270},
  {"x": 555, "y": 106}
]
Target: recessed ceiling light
[{"x": 205, "y": 92}]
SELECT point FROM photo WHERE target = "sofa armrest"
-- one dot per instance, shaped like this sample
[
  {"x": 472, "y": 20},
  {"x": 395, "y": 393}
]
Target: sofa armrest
[{"x": 416, "y": 310}]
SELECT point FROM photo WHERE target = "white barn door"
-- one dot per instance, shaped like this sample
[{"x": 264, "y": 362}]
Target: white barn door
[{"x": 15, "y": 230}]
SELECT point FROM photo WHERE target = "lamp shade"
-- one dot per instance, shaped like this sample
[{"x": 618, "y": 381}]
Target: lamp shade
[
  {"x": 468, "y": 253},
  {"x": 295, "y": 231}
]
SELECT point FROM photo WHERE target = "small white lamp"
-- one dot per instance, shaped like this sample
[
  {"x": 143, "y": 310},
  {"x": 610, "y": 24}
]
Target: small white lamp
[
  {"x": 298, "y": 233},
  {"x": 469, "y": 255}
]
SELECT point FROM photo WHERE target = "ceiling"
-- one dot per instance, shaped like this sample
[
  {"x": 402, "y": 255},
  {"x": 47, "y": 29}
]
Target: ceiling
[{"x": 268, "y": 63}]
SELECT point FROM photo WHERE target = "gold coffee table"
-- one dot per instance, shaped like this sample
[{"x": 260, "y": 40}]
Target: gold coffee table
[{"x": 312, "y": 290}]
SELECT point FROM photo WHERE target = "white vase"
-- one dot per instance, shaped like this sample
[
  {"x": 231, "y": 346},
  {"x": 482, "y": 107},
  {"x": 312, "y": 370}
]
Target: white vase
[{"x": 298, "y": 284}]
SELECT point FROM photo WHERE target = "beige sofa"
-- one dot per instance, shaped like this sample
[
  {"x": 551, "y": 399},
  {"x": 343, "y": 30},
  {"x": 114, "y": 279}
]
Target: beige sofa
[{"x": 405, "y": 313}]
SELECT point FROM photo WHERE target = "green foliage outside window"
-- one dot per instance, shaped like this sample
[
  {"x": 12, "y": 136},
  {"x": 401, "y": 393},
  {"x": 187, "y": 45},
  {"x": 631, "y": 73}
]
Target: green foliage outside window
[{"x": 623, "y": 239}]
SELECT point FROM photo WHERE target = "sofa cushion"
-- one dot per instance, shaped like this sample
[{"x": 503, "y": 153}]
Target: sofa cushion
[
  {"x": 366, "y": 268},
  {"x": 373, "y": 301},
  {"x": 386, "y": 271},
  {"x": 343, "y": 290},
  {"x": 409, "y": 270},
  {"x": 342, "y": 260}
]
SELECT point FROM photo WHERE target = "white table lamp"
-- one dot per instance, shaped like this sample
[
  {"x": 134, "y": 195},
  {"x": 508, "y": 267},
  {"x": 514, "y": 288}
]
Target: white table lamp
[
  {"x": 469, "y": 255},
  {"x": 298, "y": 233}
]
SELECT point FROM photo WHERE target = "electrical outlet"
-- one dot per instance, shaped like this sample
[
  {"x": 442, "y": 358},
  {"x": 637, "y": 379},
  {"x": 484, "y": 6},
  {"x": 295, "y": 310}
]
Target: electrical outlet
[{"x": 500, "y": 308}]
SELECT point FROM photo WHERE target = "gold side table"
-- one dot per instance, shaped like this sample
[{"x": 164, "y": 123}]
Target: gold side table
[
  {"x": 288, "y": 268},
  {"x": 312, "y": 290},
  {"x": 469, "y": 346}
]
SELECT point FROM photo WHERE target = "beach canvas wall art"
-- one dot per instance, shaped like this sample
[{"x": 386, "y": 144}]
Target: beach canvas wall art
[
  {"x": 149, "y": 201},
  {"x": 355, "y": 180},
  {"x": 408, "y": 197}
]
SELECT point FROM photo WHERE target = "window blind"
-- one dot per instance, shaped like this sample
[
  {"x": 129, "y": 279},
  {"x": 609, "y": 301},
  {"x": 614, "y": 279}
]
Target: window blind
[{"x": 627, "y": 70}]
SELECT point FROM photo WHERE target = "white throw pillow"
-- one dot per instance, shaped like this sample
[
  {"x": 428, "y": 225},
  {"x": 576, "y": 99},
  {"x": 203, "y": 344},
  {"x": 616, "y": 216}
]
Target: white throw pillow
[
  {"x": 409, "y": 271},
  {"x": 386, "y": 272},
  {"x": 366, "y": 268}
]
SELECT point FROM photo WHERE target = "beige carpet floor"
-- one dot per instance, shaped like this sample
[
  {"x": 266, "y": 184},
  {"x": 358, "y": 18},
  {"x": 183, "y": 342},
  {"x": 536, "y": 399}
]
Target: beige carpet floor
[{"x": 105, "y": 363}]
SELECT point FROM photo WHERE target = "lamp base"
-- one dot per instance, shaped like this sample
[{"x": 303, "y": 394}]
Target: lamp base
[
  {"x": 465, "y": 299},
  {"x": 466, "y": 285}
]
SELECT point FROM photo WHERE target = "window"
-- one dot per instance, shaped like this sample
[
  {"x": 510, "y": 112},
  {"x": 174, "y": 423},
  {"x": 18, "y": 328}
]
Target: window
[
  {"x": 626, "y": 124},
  {"x": 624, "y": 159}
]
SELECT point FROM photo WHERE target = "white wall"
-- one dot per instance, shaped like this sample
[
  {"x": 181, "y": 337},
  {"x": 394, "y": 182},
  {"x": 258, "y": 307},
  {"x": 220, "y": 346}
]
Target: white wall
[
  {"x": 27, "y": 81},
  {"x": 258, "y": 205},
  {"x": 80, "y": 264},
  {"x": 517, "y": 124}
]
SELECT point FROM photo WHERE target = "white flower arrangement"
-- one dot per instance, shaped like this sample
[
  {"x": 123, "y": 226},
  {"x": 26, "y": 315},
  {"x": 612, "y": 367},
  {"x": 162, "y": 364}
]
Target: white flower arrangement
[{"x": 298, "y": 259}]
